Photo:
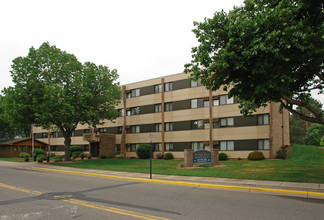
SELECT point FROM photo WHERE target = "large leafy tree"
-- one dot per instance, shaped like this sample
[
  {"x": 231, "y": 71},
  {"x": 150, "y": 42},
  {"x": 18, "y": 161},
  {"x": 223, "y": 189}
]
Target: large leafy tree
[
  {"x": 263, "y": 51},
  {"x": 53, "y": 89},
  {"x": 10, "y": 126}
]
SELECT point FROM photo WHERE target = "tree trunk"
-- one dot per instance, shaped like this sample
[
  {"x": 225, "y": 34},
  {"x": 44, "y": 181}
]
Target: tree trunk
[{"x": 67, "y": 144}]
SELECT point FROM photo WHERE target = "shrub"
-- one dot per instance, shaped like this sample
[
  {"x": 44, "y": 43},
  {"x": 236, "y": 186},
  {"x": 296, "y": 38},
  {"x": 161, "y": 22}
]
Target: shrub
[
  {"x": 322, "y": 142},
  {"x": 40, "y": 158},
  {"x": 239, "y": 158},
  {"x": 143, "y": 151},
  {"x": 22, "y": 155},
  {"x": 27, "y": 157},
  {"x": 103, "y": 156},
  {"x": 58, "y": 159},
  {"x": 133, "y": 158},
  {"x": 121, "y": 156},
  {"x": 205, "y": 165},
  {"x": 256, "y": 155},
  {"x": 222, "y": 156},
  {"x": 38, "y": 151},
  {"x": 159, "y": 156},
  {"x": 89, "y": 157},
  {"x": 168, "y": 156},
  {"x": 75, "y": 148},
  {"x": 76, "y": 154},
  {"x": 52, "y": 155},
  {"x": 281, "y": 154}
]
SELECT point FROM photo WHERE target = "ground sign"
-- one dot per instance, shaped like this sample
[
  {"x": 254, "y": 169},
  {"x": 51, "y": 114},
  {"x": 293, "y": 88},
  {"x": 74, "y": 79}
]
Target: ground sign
[{"x": 202, "y": 156}]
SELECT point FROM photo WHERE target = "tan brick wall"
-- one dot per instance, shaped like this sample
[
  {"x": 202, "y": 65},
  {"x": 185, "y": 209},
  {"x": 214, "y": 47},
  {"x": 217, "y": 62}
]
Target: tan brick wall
[{"x": 279, "y": 129}]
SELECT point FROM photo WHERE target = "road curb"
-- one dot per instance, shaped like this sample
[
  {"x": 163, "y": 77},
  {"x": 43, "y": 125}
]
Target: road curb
[{"x": 307, "y": 194}]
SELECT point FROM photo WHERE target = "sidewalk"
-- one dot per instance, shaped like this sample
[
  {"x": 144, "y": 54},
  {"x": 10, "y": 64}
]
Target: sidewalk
[{"x": 316, "y": 190}]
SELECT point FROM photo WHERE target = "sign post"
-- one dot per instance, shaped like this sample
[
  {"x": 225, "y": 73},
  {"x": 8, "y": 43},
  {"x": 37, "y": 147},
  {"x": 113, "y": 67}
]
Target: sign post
[{"x": 151, "y": 139}]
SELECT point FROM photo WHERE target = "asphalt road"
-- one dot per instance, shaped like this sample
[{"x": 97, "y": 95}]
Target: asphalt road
[{"x": 34, "y": 194}]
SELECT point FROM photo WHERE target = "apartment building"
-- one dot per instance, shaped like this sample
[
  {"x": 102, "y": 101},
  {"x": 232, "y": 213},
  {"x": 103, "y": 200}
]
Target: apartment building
[{"x": 175, "y": 113}]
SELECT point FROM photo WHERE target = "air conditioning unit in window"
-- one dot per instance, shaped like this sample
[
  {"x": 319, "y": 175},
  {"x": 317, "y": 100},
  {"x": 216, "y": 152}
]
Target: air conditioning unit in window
[
  {"x": 206, "y": 143},
  {"x": 206, "y": 98}
]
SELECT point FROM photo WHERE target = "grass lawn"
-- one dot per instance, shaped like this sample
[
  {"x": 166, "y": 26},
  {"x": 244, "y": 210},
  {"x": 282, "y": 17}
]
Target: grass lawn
[
  {"x": 13, "y": 159},
  {"x": 305, "y": 164}
]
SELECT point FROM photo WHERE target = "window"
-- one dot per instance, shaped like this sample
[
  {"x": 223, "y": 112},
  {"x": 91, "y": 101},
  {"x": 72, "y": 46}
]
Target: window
[
  {"x": 227, "y": 122},
  {"x": 134, "y": 111},
  {"x": 55, "y": 134},
  {"x": 132, "y": 147},
  {"x": 157, "y": 107},
  {"x": 158, "y": 147},
  {"x": 196, "y": 83},
  {"x": 223, "y": 100},
  {"x": 73, "y": 133},
  {"x": 197, "y": 124},
  {"x": 206, "y": 125},
  {"x": 120, "y": 130},
  {"x": 263, "y": 144},
  {"x": 121, "y": 112},
  {"x": 158, "y": 88},
  {"x": 194, "y": 103},
  {"x": 168, "y": 86},
  {"x": 168, "y": 146},
  {"x": 206, "y": 103},
  {"x": 158, "y": 127},
  {"x": 85, "y": 131},
  {"x": 198, "y": 103},
  {"x": 103, "y": 130},
  {"x": 168, "y": 126},
  {"x": 44, "y": 135},
  {"x": 215, "y": 124},
  {"x": 230, "y": 100},
  {"x": 263, "y": 119},
  {"x": 199, "y": 146},
  {"x": 226, "y": 145},
  {"x": 168, "y": 106},
  {"x": 135, "y": 129},
  {"x": 215, "y": 102},
  {"x": 135, "y": 92},
  {"x": 117, "y": 149}
]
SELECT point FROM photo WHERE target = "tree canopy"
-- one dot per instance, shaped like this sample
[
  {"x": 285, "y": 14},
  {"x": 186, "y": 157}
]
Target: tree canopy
[
  {"x": 264, "y": 51},
  {"x": 53, "y": 89}
]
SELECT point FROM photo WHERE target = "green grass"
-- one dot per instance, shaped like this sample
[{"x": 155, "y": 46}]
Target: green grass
[
  {"x": 305, "y": 164},
  {"x": 13, "y": 159}
]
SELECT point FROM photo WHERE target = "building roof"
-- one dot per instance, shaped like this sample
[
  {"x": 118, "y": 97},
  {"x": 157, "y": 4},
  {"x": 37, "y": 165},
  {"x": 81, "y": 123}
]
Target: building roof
[{"x": 18, "y": 140}]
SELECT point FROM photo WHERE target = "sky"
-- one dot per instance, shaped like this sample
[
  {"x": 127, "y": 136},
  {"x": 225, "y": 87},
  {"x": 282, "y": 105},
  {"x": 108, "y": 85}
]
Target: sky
[{"x": 142, "y": 39}]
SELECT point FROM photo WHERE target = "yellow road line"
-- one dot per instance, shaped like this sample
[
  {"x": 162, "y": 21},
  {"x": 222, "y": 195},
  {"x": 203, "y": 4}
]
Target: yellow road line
[
  {"x": 250, "y": 189},
  {"x": 20, "y": 189},
  {"x": 90, "y": 205},
  {"x": 116, "y": 210}
]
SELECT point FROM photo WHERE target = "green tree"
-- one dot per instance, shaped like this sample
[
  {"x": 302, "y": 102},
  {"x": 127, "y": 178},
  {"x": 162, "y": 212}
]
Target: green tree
[
  {"x": 264, "y": 51},
  {"x": 314, "y": 134},
  {"x": 8, "y": 128},
  {"x": 52, "y": 88},
  {"x": 297, "y": 126}
]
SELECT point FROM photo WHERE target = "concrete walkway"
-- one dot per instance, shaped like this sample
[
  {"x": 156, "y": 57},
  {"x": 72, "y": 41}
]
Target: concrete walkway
[{"x": 314, "y": 190}]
